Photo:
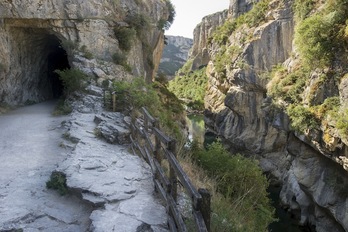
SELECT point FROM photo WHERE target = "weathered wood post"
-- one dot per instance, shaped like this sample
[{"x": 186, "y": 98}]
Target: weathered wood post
[
  {"x": 172, "y": 174},
  {"x": 114, "y": 101},
  {"x": 157, "y": 151},
  {"x": 204, "y": 206}
]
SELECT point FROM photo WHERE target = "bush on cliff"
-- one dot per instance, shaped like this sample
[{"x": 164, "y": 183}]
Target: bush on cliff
[
  {"x": 161, "y": 103},
  {"x": 125, "y": 37}
]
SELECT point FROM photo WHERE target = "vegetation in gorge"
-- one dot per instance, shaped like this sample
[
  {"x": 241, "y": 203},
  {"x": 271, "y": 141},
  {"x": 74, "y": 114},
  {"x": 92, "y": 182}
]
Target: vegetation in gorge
[
  {"x": 190, "y": 86},
  {"x": 240, "y": 201},
  {"x": 161, "y": 103},
  {"x": 321, "y": 39}
]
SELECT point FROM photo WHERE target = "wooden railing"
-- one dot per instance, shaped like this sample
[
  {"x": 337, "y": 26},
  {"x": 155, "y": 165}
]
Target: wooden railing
[{"x": 155, "y": 146}]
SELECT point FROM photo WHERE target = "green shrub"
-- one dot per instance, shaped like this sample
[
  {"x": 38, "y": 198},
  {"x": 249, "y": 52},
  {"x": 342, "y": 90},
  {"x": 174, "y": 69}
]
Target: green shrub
[
  {"x": 58, "y": 182},
  {"x": 62, "y": 108},
  {"x": 121, "y": 59},
  {"x": 288, "y": 86},
  {"x": 73, "y": 79},
  {"x": 155, "y": 97},
  {"x": 125, "y": 37},
  {"x": 342, "y": 123},
  {"x": 240, "y": 180},
  {"x": 320, "y": 38},
  {"x": 314, "y": 40},
  {"x": 139, "y": 22},
  {"x": 225, "y": 58},
  {"x": 302, "y": 8},
  {"x": 302, "y": 118},
  {"x": 329, "y": 107}
]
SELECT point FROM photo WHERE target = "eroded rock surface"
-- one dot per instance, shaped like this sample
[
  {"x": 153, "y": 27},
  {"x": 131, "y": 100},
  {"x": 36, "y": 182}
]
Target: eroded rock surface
[
  {"x": 118, "y": 183},
  {"x": 29, "y": 144},
  {"x": 110, "y": 189}
]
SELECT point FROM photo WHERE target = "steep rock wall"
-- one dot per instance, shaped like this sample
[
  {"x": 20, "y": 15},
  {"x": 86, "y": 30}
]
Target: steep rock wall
[
  {"x": 199, "y": 52},
  {"x": 313, "y": 175},
  {"x": 79, "y": 27}
]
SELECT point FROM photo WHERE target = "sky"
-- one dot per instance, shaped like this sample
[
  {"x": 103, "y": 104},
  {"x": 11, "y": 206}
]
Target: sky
[{"x": 190, "y": 12}]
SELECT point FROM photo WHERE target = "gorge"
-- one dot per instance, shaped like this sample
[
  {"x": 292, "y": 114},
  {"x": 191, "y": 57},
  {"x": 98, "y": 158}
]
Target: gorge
[
  {"x": 241, "y": 47},
  {"x": 275, "y": 70}
]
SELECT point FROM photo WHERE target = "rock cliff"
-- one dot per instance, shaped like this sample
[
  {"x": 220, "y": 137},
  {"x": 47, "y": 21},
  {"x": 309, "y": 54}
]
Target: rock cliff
[
  {"x": 37, "y": 37},
  {"x": 310, "y": 165},
  {"x": 199, "y": 53},
  {"x": 175, "y": 54}
]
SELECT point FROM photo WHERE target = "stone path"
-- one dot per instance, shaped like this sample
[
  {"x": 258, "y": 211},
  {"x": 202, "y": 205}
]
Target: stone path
[
  {"x": 29, "y": 151},
  {"x": 116, "y": 186}
]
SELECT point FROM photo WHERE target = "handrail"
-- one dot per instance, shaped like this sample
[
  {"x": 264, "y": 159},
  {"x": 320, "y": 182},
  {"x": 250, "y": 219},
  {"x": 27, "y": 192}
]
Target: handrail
[{"x": 142, "y": 138}]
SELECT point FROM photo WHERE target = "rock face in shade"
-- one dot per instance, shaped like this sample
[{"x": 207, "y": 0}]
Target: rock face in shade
[{"x": 38, "y": 37}]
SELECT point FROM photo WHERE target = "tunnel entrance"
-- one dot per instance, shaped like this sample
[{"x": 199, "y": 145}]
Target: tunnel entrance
[
  {"x": 57, "y": 58},
  {"x": 31, "y": 52}
]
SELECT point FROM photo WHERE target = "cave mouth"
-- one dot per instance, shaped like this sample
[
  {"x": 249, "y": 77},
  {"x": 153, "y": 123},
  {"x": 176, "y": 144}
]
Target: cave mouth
[{"x": 57, "y": 59}]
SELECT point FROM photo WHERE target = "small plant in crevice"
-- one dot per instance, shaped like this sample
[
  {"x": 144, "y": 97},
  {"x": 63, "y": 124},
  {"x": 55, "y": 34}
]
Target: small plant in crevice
[
  {"x": 121, "y": 59},
  {"x": 139, "y": 22},
  {"x": 97, "y": 132},
  {"x": 67, "y": 136},
  {"x": 87, "y": 54},
  {"x": 58, "y": 182},
  {"x": 62, "y": 108},
  {"x": 125, "y": 37}
]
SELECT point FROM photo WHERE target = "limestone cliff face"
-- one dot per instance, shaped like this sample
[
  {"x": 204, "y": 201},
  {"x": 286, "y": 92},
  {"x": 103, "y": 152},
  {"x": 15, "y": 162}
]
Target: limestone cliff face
[
  {"x": 199, "y": 52},
  {"x": 175, "y": 54},
  {"x": 36, "y": 35},
  {"x": 238, "y": 7},
  {"x": 238, "y": 109}
]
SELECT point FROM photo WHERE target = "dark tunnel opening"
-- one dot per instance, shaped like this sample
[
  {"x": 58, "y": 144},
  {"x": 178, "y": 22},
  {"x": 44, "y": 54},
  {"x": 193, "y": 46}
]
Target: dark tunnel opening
[{"x": 57, "y": 59}]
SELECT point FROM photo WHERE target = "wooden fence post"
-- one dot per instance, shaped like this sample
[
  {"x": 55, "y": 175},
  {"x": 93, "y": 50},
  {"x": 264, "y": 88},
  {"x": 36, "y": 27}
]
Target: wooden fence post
[
  {"x": 113, "y": 101},
  {"x": 204, "y": 206},
  {"x": 172, "y": 174},
  {"x": 157, "y": 152}
]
